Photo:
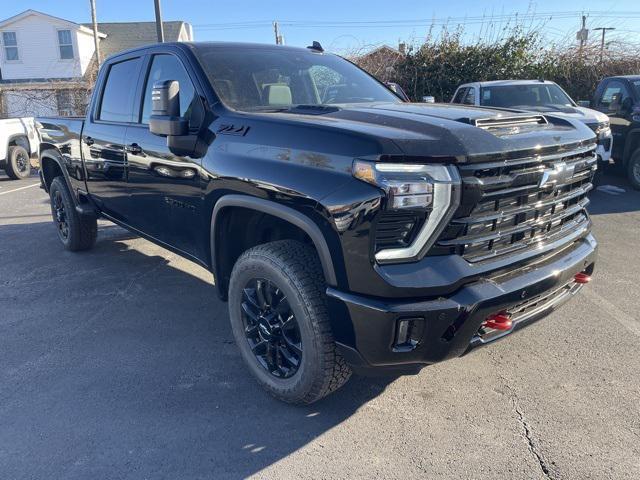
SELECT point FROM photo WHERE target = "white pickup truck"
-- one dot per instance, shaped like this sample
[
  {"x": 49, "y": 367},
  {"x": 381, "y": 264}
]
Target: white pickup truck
[
  {"x": 540, "y": 96},
  {"x": 18, "y": 146}
]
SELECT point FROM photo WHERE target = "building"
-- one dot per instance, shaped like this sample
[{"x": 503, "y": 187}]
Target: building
[
  {"x": 381, "y": 61},
  {"x": 48, "y": 64}
]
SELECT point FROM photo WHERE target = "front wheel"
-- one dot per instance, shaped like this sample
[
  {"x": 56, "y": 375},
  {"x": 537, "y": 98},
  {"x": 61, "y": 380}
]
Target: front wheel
[
  {"x": 279, "y": 318},
  {"x": 633, "y": 169}
]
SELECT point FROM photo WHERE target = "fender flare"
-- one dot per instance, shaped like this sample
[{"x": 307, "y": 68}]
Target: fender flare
[
  {"x": 54, "y": 155},
  {"x": 277, "y": 210},
  {"x": 628, "y": 151}
]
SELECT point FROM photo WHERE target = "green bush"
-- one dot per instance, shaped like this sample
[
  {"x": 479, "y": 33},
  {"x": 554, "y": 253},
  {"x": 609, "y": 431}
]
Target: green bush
[{"x": 438, "y": 66}]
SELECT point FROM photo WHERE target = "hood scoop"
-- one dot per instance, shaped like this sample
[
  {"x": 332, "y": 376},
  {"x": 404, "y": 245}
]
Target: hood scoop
[{"x": 510, "y": 125}]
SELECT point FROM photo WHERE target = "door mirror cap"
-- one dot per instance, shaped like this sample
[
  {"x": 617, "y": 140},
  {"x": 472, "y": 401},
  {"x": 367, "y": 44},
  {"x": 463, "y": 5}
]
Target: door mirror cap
[
  {"x": 584, "y": 103},
  {"x": 627, "y": 105},
  {"x": 165, "y": 117}
]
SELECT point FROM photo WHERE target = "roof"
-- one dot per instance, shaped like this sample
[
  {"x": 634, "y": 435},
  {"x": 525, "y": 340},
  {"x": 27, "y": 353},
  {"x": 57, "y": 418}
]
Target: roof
[
  {"x": 498, "y": 83},
  {"x": 627, "y": 77},
  {"x": 26, "y": 13},
  {"x": 126, "y": 35},
  {"x": 382, "y": 48}
]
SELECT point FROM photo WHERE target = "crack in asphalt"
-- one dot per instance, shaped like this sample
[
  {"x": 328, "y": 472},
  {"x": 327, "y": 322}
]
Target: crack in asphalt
[
  {"x": 528, "y": 434},
  {"x": 527, "y": 431}
]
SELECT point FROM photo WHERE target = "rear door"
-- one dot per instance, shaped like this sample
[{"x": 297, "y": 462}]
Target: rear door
[
  {"x": 103, "y": 136},
  {"x": 166, "y": 197},
  {"x": 610, "y": 100}
]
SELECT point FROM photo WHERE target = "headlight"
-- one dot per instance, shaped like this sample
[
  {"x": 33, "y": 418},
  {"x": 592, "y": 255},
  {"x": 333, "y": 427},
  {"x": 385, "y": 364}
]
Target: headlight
[
  {"x": 604, "y": 130},
  {"x": 430, "y": 189}
]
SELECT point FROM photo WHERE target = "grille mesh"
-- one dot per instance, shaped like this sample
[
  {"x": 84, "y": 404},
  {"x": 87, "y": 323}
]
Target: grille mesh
[{"x": 506, "y": 209}]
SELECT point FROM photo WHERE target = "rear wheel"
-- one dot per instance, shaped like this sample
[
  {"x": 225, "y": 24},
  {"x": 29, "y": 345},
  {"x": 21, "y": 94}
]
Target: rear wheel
[
  {"x": 75, "y": 231},
  {"x": 18, "y": 163},
  {"x": 279, "y": 319},
  {"x": 633, "y": 169}
]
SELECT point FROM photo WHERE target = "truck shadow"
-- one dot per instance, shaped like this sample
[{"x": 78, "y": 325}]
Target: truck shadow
[
  {"x": 121, "y": 363},
  {"x": 613, "y": 194}
]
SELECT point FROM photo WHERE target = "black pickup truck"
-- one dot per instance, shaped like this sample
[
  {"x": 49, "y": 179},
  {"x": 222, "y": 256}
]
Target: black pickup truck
[{"x": 347, "y": 230}]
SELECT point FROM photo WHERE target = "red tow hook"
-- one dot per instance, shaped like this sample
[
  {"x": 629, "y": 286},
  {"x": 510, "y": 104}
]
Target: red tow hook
[
  {"x": 582, "y": 278},
  {"x": 499, "y": 321}
]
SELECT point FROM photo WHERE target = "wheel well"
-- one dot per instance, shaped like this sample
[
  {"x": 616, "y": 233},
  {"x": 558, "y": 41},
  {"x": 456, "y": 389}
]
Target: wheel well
[
  {"x": 20, "y": 141},
  {"x": 633, "y": 145},
  {"x": 50, "y": 170},
  {"x": 239, "y": 229}
]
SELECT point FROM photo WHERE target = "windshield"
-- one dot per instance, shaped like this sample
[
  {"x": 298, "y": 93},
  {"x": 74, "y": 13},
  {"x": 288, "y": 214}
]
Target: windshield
[
  {"x": 532, "y": 95},
  {"x": 272, "y": 79}
]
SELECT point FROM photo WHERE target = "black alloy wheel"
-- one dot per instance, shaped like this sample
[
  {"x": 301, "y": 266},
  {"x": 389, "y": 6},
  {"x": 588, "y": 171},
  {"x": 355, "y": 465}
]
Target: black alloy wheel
[
  {"x": 270, "y": 328},
  {"x": 60, "y": 215}
]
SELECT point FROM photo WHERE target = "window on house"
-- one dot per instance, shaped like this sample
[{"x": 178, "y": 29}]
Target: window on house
[
  {"x": 10, "y": 46},
  {"x": 65, "y": 44}
]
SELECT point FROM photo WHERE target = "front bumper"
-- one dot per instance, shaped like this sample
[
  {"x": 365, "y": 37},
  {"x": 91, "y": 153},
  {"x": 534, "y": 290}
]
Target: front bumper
[{"x": 451, "y": 326}]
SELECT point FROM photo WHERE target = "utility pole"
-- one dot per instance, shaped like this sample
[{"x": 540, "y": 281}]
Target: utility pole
[
  {"x": 159, "y": 27},
  {"x": 276, "y": 31},
  {"x": 583, "y": 34},
  {"x": 604, "y": 30},
  {"x": 96, "y": 41}
]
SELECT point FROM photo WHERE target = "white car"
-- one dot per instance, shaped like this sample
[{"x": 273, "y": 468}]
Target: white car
[
  {"x": 18, "y": 146},
  {"x": 539, "y": 96}
]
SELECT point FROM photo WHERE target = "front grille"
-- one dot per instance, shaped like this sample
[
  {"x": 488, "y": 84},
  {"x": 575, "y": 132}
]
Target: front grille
[{"x": 519, "y": 205}]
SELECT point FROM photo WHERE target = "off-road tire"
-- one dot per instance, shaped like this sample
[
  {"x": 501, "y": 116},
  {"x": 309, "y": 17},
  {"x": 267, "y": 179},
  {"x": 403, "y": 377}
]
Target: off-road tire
[
  {"x": 18, "y": 164},
  {"x": 81, "y": 230},
  {"x": 295, "y": 269},
  {"x": 633, "y": 169}
]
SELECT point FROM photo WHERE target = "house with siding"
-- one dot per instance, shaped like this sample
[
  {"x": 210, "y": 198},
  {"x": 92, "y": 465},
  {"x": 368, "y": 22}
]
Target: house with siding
[{"x": 48, "y": 64}]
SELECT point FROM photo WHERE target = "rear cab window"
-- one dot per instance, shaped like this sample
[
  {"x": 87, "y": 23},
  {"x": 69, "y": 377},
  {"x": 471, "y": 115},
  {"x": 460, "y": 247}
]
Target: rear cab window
[{"x": 118, "y": 94}]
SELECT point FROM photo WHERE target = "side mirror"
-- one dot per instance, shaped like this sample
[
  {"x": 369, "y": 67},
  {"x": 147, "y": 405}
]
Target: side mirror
[
  {"x": 429, "y": 99},
  {"x": 165, "y": 119},
  {"x": 584, "y": 103},
  {"x": 627, "y": 105}
]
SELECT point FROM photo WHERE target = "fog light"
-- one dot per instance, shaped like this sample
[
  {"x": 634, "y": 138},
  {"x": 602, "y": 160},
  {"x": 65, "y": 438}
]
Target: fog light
[{"x": 408, "y": 334}]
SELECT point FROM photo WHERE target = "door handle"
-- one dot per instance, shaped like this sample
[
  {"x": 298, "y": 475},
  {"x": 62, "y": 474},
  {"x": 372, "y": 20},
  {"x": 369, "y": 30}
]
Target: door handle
[
  {"x": 134, "y": 148},
  {"x": 88, "y": 141}
]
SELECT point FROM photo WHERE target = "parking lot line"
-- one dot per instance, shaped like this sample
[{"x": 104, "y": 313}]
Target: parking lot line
[{"x": 21, "y": 188}]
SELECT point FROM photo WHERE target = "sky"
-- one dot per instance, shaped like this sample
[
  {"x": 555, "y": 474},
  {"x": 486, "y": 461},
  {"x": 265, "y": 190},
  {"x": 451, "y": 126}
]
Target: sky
[{"x": 345, "y": 26}]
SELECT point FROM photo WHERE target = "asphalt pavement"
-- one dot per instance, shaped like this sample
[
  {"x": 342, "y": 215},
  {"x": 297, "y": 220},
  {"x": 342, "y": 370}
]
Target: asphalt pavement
[{"x": 120, "y": 363}]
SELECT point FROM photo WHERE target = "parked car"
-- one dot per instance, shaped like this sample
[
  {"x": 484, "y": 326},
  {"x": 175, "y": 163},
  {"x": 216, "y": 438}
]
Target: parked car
[
  {"x": 538, "y": 96},
  {"x": 18, "y": 145},
  {"x": 619, "y": 98},
  {"x": 347, "y": 230}
]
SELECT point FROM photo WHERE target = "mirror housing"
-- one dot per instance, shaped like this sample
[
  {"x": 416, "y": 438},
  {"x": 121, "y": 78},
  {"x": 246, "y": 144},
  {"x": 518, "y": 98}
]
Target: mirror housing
[
  {"x": 165, "y": 119},
  {"x": 626, "y": 106},
  {"x": 584, "y": 103}
]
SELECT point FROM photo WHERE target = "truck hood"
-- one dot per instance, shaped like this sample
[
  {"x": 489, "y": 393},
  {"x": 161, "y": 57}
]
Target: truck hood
[
  {"x": 586, "y": 115},
  {"x": 442, "y": 130}
]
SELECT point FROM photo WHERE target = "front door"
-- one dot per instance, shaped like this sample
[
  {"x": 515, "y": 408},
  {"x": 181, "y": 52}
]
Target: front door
[
  {"x": 103, "y": 138},
  {"x": 166, "y": 196},
  {"x": 612, "y": 101}
]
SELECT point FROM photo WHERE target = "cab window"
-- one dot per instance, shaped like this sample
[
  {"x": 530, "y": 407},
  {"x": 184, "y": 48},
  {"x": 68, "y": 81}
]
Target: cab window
[
  {"x": 460, "y": 94},
  {"x": 612, "y": 97},
  {"x": 119, "y": 91}
]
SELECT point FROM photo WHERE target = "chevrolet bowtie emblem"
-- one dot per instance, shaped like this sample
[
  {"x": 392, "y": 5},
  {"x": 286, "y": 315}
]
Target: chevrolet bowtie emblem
[{"x": 559, "y": 172}]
